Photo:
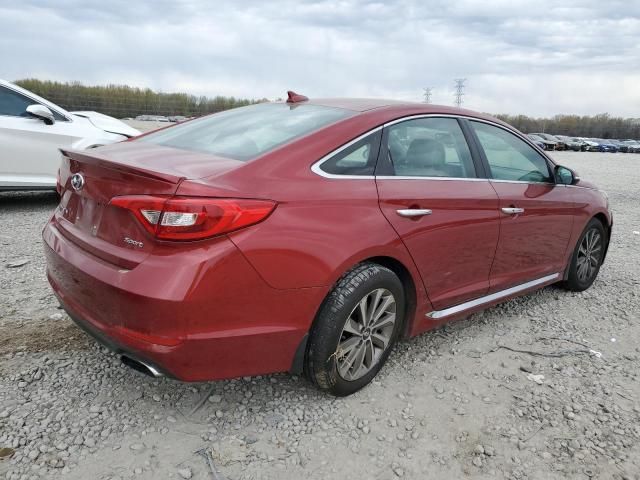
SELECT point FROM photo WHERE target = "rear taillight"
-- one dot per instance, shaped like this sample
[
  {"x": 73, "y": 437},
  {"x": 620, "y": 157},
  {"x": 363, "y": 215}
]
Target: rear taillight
[
  {"x": 58, "y": 184},
  {"x": 193, "y": 218}
]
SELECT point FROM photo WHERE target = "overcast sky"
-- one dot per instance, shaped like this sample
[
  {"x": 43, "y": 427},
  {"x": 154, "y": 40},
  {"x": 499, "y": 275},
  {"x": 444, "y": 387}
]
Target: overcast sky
[{"x": 531, "y": 57}]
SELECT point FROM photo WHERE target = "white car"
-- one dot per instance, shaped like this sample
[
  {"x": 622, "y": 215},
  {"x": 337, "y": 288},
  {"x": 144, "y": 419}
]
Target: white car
[
  {"x": 32, "y": 130},
  {"x": 590, "y": 144}
]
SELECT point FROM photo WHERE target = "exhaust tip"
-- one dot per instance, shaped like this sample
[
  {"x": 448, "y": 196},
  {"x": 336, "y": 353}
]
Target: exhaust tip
[{"x": 140, "y": 366}]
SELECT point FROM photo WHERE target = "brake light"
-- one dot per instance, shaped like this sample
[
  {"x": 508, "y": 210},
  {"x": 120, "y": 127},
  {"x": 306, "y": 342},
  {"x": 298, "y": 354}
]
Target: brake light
[{"x": 193, "y": 218}]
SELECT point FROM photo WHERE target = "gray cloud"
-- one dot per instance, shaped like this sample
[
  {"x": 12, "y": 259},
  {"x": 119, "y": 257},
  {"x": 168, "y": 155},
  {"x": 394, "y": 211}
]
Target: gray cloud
[{"x": 519, "y": 57}]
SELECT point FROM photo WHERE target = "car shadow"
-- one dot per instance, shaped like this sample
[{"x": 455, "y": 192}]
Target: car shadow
[
  {"x": 19, "y": 200},
  {"x": 29, "y": 197}
]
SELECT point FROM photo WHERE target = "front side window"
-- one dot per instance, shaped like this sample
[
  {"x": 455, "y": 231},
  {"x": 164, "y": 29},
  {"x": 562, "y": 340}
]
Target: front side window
[
  {"x": 13, "y": 104},
  {"x": 247, "y": 132},
  {"x": 429, "y": 147},
  {"x": 509, "y": 157}
]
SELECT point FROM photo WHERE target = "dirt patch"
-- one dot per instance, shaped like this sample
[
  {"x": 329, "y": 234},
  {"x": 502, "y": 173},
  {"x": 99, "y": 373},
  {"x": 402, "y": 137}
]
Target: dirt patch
[{"x": 40, "y": 337}]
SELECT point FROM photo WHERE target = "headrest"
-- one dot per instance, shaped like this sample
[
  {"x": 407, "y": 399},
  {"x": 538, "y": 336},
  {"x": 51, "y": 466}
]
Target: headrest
[{"x": 425, "y": 152}]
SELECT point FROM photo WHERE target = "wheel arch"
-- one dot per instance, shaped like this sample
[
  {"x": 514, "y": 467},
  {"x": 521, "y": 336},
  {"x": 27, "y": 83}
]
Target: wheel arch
[
  {"x": 608, "y": 226},
  {"x": 411, "y": 299},
  {"x": 408, "y": 285}
]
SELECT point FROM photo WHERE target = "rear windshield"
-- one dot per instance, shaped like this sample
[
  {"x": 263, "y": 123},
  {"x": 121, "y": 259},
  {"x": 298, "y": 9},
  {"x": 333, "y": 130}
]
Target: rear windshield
[{"x": 247, "y": 132}]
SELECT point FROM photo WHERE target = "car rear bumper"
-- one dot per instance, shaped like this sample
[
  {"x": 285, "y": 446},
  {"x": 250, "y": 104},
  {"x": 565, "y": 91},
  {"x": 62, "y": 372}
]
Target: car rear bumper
[
  {"x": 204, "y": 315},
  {"x": 112, "y": 343}
]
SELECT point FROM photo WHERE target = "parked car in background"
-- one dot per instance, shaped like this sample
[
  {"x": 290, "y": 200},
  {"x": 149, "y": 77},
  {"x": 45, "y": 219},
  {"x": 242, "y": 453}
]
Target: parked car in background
[
  {"x": 32, "y": 130},
  {"x": 590, "y": 144},
  {"x": 547, "y": 144},
  {"x": 606, "y": 145},
  {"x": 571, "y": 143},
  {"x": 541, "y": 142},
  {"x": 633, "y": 146},
  {"x": 152, "y": 118},
  {"x": 619, "y": 144},
  {"x": 558, "y": 144},
  {"x": 584, "y": 146},
  {"x": 379, "y": 220},
  {"x": 623, "y": 146}
]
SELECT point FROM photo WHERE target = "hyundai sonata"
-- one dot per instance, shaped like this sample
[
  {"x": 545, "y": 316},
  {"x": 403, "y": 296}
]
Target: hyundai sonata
[{"x": 311, "y": 235}]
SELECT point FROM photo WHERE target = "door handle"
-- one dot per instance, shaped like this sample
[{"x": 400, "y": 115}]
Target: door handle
[
  {"x": 512, "y": 210},
  {"x": 413, "y": 212}
]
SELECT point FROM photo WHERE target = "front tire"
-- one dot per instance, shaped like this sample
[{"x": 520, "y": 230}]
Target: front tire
[
  {"x": 587, "y": 257},
  {"x": 355, "y": 330}
]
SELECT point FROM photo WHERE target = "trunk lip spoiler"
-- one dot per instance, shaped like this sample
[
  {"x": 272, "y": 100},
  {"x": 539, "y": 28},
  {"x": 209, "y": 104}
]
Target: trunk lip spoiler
[{"x": 103, "y": 162}]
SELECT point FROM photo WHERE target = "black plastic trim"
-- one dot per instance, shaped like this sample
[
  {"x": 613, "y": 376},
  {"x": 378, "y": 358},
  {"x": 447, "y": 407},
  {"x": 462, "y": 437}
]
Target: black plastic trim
[
  {"x": 297, "y": 367},
  {"x": 479, "y": 160}
]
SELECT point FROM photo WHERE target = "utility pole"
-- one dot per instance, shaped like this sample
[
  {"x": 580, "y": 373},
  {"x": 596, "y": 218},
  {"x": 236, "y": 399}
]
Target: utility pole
[
  {"x": 427, "y": 95},
  {"x": 459, "y": 93}
]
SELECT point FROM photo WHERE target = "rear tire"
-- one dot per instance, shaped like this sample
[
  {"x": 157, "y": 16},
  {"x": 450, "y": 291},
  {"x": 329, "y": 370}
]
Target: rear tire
[
  {"x": 587, "y": 257},
  {"x": 355, "y": 330}
]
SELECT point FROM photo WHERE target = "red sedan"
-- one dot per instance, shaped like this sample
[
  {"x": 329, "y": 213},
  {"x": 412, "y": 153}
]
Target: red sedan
[{"x": 310, "y": 235}]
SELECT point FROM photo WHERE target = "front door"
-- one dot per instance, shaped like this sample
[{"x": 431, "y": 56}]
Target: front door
[
  {"x": 536, "y": 213},
  {"x": 29, "y": 156},
  {"x": 447, "y": 217}
]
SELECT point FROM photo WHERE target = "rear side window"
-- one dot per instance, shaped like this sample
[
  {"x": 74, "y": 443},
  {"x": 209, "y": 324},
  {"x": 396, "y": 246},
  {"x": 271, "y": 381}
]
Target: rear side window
[
  {"x": 509, "y": 157},
  {"x": 357, "y": 159},
  {"x": 247, "y": 132},
  {"x": 429, "y": 147}
]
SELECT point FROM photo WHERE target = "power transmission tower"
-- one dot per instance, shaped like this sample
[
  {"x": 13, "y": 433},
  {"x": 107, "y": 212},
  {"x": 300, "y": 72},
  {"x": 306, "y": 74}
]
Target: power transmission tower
[
  {"x": 459, "y": 91},
  {"x": 427, "y": 95}
]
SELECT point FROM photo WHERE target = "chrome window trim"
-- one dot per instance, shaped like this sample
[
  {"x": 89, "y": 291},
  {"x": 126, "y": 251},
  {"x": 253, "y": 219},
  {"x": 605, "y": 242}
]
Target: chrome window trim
[
  {"x": 437, "y": 314},
  {"x": 595, "y": 189},
  {"x": 459, "y": 179},
  {"x": 315, "y": 168},
  {"x": 524, "y": 181},
  {"x": 517, "y": 134},
  {"x": 475, "y": 119},
  {"x": 9, "y": 87}
]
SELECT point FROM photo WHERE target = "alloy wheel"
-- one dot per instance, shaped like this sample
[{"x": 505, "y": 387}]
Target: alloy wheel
[
  {"x": 589, "y": 254},
  {"x": 366, "y": 335}
]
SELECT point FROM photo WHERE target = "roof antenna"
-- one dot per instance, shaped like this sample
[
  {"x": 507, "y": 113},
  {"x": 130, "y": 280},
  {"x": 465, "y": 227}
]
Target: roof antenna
[{"x": 293, "y": 97}]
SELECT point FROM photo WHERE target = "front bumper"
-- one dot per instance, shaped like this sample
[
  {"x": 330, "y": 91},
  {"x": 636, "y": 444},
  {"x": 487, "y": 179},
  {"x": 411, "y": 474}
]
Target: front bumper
[{"x": 199, "y": 314}]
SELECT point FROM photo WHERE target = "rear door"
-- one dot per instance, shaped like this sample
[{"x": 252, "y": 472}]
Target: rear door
[
  {"x": 536, "y": 213},
  {"x": 434, "y": 196}
]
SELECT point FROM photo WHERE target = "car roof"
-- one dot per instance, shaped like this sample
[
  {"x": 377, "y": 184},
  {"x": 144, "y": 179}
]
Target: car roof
[
  {"x": 358, "y": 104},
  {"x": 365, "y": 104},
  {"x": 392, "y": 109}
]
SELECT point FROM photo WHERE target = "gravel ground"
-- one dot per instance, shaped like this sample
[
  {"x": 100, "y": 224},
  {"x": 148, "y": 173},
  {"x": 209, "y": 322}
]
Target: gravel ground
[{"x": 449, "y": 404}]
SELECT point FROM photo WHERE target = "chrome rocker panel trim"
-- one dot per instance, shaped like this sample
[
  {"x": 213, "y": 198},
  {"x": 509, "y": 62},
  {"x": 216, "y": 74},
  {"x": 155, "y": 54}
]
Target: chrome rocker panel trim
[{"x": 437, "y": 314}]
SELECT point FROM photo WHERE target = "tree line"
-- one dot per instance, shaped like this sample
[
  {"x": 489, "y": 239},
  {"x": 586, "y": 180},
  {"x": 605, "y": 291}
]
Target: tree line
[
  {"x": 596, "y": 126},
  {"x": 122, "y": 101}
]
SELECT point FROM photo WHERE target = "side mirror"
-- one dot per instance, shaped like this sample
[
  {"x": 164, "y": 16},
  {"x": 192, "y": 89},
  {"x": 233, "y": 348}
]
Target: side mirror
[
  {"x": 565, "y": 176},
  {"x": 41, "y": 112}
]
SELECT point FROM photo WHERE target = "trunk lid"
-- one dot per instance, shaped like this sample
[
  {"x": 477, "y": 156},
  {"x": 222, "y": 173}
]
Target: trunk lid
[{"x": 110, "y": 233}]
